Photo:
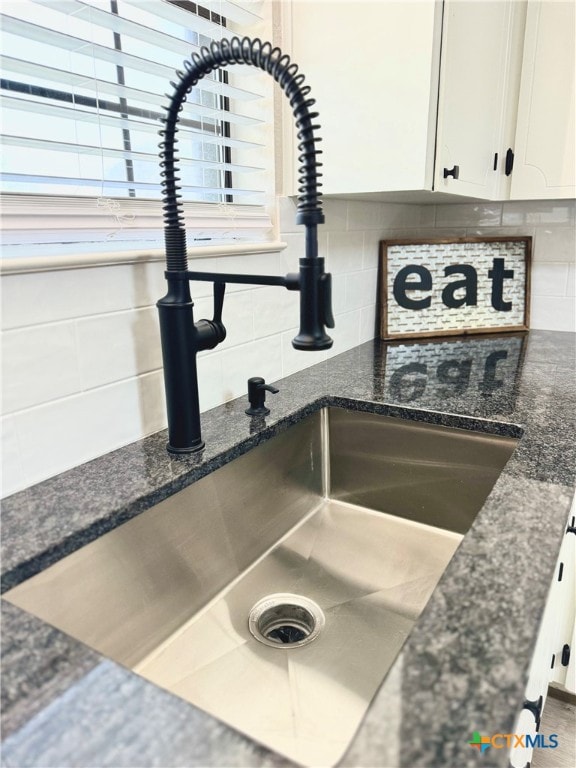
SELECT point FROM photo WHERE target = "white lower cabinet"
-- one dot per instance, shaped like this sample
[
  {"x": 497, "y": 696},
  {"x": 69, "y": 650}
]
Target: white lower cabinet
[
  {"x": 563, "y": 599},
  {"x": 570, "y": 679},
  {"x": 521, "y": 755},
  {"x": 553, "y": 659}
]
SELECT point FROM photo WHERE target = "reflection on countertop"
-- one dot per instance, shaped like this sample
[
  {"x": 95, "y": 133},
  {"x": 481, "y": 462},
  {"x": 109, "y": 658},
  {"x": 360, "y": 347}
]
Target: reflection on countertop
[{"x": 447, "y": 371}]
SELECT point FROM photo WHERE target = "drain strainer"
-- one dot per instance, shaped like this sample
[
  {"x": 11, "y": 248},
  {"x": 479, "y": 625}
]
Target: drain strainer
[{"x": 285, "y": 620}]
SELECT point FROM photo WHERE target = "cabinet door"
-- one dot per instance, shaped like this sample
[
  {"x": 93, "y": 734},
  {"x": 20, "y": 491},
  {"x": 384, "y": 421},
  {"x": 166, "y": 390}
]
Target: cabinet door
[
  {"x": 373, "y": 70},
  {"x": 479, "y": 52},
  {"x": 520, "y": 756},
  {"x": 563, "y": 606},
  {"x": 570, "y": 679},
  {"x": 545, "y": 163}
]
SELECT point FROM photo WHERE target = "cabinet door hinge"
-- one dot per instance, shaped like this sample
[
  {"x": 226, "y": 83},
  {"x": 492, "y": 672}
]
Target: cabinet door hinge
[
  {"x": 495, "y": 168},
  {"x": 536, "y": 708},
  {"x": 560, "y": 571}
]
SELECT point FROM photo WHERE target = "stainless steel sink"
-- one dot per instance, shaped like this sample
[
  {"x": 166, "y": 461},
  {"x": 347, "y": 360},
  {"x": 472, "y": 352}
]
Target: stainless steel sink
[{"x": 333, "y": 534}]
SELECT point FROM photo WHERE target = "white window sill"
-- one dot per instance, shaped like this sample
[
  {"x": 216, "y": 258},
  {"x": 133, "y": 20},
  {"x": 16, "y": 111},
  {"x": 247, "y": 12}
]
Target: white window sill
[{"x": 53, "y": 263}]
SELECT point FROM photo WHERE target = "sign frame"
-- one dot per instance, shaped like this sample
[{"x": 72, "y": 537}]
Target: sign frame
[{"x": 384, "y": 264}]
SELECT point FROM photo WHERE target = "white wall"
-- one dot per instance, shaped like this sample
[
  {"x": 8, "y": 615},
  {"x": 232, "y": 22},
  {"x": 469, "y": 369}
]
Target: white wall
[{"x": 81, "y": 353}]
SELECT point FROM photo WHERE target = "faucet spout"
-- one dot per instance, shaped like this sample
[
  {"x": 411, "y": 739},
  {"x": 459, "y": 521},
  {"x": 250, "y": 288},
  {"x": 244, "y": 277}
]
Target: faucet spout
[{"x": 181, "y": 337}]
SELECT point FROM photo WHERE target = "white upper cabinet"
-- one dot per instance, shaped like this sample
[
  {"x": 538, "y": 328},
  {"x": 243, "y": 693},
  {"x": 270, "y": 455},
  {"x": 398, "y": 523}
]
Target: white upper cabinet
[
  {"x": 479, "y": 72},
  {"x": 373, "y": 70},
  {"x": 545, "y": 163},
  {"x": 409, "y": 91}
]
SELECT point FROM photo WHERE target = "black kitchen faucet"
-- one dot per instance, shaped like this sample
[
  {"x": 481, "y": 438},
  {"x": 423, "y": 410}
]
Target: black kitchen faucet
[{"x": 181, "y": 337}]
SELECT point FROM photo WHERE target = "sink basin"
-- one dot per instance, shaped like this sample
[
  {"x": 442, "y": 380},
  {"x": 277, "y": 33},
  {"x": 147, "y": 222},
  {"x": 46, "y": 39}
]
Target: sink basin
[{"x": 276, "y": 592}]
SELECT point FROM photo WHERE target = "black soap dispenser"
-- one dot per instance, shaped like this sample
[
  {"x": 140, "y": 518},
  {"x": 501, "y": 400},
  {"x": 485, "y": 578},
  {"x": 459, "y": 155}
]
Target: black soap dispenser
[{"x": 257, "y": 388}]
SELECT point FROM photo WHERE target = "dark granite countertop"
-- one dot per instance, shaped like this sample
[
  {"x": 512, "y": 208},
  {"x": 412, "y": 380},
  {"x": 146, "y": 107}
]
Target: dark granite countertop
[{"x": 464, "y": 666}]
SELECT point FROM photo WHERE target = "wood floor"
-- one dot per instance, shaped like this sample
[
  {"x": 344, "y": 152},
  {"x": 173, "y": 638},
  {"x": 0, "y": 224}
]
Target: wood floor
[{"x": 559, "y": 717}]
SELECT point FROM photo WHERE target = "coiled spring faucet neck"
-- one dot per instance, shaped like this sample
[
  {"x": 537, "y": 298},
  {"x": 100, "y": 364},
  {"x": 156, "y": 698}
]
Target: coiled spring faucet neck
[
  {"x": 286, "y": 74},
  {"x": 181, "y": 337}
]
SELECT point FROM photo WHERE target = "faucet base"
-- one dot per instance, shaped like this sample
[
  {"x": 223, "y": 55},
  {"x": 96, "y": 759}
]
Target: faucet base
[
  {"x": 198, "y": 446},
  {"x": 262, "y": 411},
  {"x": 312, "y": 343}
]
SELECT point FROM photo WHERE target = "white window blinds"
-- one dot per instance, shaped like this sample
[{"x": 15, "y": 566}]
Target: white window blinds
[{"x": 83, "y": 84}]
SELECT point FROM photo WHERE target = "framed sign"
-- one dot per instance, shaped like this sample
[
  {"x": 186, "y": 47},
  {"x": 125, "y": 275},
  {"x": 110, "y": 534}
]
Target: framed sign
[{"x": 449, "y": 287}]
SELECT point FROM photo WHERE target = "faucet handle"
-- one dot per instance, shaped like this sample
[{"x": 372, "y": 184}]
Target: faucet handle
[
  {"x": 326, "y": 300},
  {"x": 218, "y": 329},
  {"x": 257, "y": 388},
  {"x": 219, "y": 290},
  {"x": 210, "y": 333}
]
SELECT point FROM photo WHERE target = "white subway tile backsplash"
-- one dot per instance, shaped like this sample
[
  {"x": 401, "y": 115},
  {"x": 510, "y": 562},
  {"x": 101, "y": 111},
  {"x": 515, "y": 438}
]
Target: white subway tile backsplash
[
  {"x": 209, "y": 379},
  {"x": 348, "y": 333},
  {"x": 339, "y": 293},
  {"x": 344, "y": 251},
  {"x": 555, "y": 244},
  {"x": 335, "y": 214},
  {"x": 427, "y": 219},
  {"x": 549, "y": 279},
  {"x": 259, "y": 358},
  {"x": 151, "y": 403},
  {"x": 571, "y": 284},
  {"x": 12, "y": 477},
  {"x": 149, "y": 283},
  {"x": 295, "y": 250},
  {"x": 368, "y": 328},
  {"x": 275, "y": 310},
  {"x": 118, "y": 346},
  {"x": 422, "y": 233},
  {"x": 39, "y": 364},
  {"x": 469, "y": 215},
  {"x": 553, "y": 313},
  {"x": 64, "y": 433},
  {"x": 538, "y": 212},
  {"x": 238, "y": 317},
  {"x": 204, "y": 308},
  {"x": 294, "y": 360},
  {"x": 383, "y": 216},
  {"x": 523, "y": 231},
  {"x": 371, "y": 249},
  {"x": 365, "y": 216},
  {"x": 45, "y": 297},
  {"x": 252, "y": 264},
  {"x": 361, "y": 289},
  {"x": 406, "y": 216}
]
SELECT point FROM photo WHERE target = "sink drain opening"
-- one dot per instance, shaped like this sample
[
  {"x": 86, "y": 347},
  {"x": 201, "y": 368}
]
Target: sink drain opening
[{"x": 286, "y": 621}]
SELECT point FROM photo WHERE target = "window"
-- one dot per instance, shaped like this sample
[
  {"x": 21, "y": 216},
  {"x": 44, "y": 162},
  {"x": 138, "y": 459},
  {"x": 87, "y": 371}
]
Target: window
[{"x": 83, "y": 86}]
